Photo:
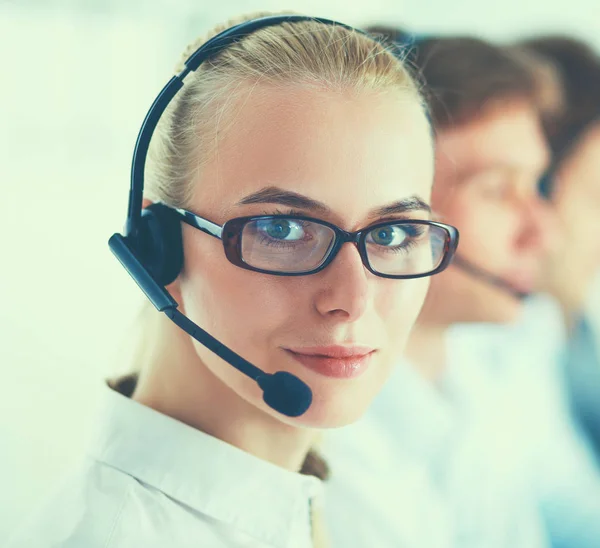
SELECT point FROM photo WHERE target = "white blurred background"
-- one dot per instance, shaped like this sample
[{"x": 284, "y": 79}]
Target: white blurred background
[{"x": 77, "y": 79}]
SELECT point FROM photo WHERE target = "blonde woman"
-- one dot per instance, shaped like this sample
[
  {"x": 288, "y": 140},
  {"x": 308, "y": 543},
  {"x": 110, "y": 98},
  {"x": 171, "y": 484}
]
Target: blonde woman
[{"x": 293, "y": 169}]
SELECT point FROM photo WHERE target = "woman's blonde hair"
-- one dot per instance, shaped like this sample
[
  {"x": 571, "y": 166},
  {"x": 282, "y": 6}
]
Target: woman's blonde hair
[{"x": 307, "y": 53}]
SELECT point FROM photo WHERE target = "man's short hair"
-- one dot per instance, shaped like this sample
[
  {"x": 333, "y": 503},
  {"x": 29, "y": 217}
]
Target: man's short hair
[
  {"x": 578, "y": 67},
  {"x": 461, "y": 76}
]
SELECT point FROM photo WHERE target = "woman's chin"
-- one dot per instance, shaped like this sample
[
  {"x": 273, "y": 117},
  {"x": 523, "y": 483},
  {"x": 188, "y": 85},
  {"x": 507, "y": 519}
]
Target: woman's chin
[{"x": 325, "y": 415}]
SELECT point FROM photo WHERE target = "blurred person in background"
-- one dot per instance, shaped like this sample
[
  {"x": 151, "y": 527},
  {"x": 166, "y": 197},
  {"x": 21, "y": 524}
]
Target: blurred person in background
[
  {"x": 568, "y": 67},
  {"x": 307, "y": 146},
  {"x": 496, "y": 442},
  {"x": 572, "y": 185}
]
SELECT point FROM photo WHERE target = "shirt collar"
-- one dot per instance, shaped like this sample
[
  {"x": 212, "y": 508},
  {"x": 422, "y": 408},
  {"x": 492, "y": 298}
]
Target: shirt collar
[{"x": 203, "y": 472}]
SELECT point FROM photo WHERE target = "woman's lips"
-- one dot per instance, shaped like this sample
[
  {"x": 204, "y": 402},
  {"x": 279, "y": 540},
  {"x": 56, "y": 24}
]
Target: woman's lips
[{"x": 342, "y": 362}]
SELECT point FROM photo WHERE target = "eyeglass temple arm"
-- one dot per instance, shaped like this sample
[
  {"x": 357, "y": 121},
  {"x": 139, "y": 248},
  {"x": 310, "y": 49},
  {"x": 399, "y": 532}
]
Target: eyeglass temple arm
[{"x": 204, "y": 225}]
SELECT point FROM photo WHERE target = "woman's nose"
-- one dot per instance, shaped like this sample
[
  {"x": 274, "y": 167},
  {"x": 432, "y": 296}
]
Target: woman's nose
[{"x": 345, "y": 289}]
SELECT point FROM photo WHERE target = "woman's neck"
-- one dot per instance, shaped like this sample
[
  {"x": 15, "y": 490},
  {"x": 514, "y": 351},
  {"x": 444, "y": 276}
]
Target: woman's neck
[
  {"x": 176, "y": 383},
  {"x": 426, "y": 349}
]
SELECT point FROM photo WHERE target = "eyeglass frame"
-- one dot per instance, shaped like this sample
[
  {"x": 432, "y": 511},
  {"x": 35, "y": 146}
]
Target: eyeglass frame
[{"x": 230, "y": 234}]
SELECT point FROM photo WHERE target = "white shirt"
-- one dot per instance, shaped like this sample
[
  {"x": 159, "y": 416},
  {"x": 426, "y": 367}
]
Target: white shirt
[
  {"x": 527, "y": 362},
  {"x": 150, "y": 481}
]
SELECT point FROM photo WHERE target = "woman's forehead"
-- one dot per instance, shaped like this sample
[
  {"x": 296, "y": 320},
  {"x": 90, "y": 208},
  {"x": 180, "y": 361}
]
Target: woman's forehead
[{"x": 371, "y": 148}]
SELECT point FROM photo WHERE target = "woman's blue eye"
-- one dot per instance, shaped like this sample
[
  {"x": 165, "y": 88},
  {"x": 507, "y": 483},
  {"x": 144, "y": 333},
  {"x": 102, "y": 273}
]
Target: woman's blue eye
[
  {"x": 279, "y": 229},
  {"x": 388, "y": 236},
  {"x": 282, "y": 229}
]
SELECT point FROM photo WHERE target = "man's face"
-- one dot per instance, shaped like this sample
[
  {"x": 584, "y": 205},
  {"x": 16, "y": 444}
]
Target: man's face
[
  {"x": 486, "y": 185},
  {"x": 574, "y": 263}
]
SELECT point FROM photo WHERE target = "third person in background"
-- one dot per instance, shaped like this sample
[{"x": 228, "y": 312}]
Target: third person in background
[{"x": 572, "y": 187}]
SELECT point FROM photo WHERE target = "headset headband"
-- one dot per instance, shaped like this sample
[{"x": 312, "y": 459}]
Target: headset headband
[{"x": 207, "y": 50}]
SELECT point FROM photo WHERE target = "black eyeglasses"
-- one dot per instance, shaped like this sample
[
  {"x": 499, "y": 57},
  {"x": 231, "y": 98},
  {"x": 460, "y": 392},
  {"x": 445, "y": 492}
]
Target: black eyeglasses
[{"x": 293, "y": 245}]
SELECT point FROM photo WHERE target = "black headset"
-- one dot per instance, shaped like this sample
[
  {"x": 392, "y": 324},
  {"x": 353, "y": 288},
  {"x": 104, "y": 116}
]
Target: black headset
[{"x": 151, "y": 249}]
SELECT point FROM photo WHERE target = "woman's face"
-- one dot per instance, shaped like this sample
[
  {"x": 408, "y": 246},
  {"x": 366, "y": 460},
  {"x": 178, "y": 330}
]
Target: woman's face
[{"x": 337, "y": 157}]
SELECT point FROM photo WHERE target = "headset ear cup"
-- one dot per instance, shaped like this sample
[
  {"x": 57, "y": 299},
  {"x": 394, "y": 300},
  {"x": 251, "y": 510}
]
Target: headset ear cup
[{"x": 160, "y": 243}]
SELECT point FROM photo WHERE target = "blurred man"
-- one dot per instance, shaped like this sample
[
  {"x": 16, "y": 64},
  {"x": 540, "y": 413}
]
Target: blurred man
[
  {"x": 572, "y": 187},
  {"x": 454, "y": 411}
]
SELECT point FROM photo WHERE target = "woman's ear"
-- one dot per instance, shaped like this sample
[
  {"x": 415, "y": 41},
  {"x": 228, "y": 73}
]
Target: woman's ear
[{"x": 174, "y": 287}]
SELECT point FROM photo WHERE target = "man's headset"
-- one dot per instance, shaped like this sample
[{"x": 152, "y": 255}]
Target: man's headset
[
  {"x": 151, "y": 249},
  {"x": 487, "y": 277}
]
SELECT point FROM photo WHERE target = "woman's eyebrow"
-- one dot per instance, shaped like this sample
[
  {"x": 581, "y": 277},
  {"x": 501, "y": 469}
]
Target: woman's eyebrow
[
  {"x": 276, "y": 195},
  {"x": 412, "y": 203}
]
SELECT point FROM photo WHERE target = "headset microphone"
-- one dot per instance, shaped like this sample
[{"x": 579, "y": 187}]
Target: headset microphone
[
  {"x": 488, "y": 277},
  {"x": 152, "y": 249}
]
